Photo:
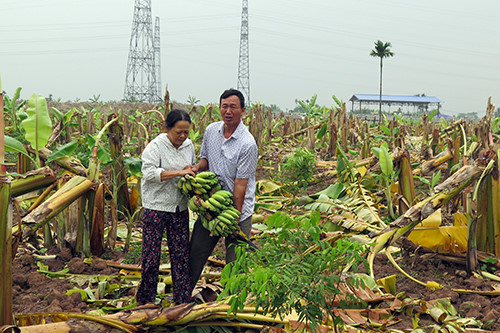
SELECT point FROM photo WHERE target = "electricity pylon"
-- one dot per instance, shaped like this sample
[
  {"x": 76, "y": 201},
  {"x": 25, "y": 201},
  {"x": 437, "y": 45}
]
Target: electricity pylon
[
  {"x": 243, "y": 64},
  {"x": 141, "y": 80},
  {"x": 156, "y": 47}
]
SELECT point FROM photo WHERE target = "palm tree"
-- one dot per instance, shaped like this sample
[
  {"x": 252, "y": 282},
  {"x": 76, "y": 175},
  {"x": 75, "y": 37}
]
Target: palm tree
[{"x": 381, "y": 50}]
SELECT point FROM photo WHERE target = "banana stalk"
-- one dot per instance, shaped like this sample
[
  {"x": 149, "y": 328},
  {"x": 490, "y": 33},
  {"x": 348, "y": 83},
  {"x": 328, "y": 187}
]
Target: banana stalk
[
  {"x": 115, "y": 136},
  {"x": 454, "y": 146},
  {"x": 495, "y": 189},
  {"x": 5, "y": 252},
  {"x": 94, "y": 163},
  {"x": 69, "y": 163},
  {"x": 6, "y": 317},
  {"x": 485, "y": 226},
  {"x": 488, "y": 232},
  {"x": 430, "y": 165},
  {"x": 23, "y": 163},
  {"x": 471, "y": 259},
  {"x": 405, "y": 182},
  {"x": 84, "y": 230},
  {"x": 69, "y": 192},
  {"x": 114, "y": 226},
  {"x": 33, "y": 180},
  {"x": 97, "y": 231}
]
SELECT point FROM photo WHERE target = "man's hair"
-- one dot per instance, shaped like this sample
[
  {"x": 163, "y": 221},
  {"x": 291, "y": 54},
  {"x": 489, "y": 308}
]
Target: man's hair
[
  {"x": 233, "y": 92},
  {"x": 176, "y": 115}
]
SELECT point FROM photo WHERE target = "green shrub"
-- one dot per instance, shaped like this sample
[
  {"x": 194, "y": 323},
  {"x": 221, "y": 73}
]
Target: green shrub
[
  {"x": 298, "y": 168},
  {"x": 295, "y": 269}
]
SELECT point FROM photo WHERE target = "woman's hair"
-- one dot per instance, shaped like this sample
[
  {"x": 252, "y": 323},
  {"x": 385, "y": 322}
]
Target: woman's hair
[{"x": 176, "y": 115}]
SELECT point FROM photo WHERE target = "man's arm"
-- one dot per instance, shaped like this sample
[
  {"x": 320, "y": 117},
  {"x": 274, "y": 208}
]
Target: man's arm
[{"x": 240, "y": 188}]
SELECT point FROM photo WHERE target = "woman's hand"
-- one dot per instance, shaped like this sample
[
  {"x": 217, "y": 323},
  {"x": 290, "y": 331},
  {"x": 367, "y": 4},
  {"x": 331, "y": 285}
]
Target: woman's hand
[
  {"x": 192, "y": 168},
  {"x": 188, "y": 169}
]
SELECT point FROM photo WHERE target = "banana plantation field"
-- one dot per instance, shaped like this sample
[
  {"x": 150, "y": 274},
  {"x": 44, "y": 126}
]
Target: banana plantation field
[{"x": 358, "y": 226}]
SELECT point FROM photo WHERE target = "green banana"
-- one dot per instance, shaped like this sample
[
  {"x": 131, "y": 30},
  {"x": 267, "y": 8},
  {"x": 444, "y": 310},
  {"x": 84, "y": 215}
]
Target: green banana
[
  {"x": 234, "y": 210},
  {"x": 197, "y": 200},
  {"x": 218, "y": 229},
  {"x": 196, "y": 185},
  {"x": 210, "y": 206},
  {"x": 201, "y": 180},
  {"x": 225, "y": 193},
  {"x": 219, "y": 198},
  {"x": 192, "y": 205},
  {"x": 215, "y": 202},
  {"x": 204, "y": 222},
  {"x": 224, "y": 219},
  {"x": 204, "y": 204},
  {"x": 231, "y": 213},
  {"x": 200, "y": 191},
  {"x": 206, "y": 174}
]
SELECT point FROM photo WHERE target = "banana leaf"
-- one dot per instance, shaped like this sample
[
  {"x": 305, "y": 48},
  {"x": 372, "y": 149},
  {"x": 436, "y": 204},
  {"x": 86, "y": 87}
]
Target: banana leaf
[{"x": 38, "y": 125}]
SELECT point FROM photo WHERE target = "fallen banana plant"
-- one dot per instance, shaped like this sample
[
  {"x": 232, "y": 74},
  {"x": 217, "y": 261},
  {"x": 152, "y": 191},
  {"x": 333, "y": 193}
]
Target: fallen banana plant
[
  {"x": 32, "y": 180},
  {"x": 143, "y": 318},
  {"x": 69, "y": 192},
  {"x": 421, "y": 210}
]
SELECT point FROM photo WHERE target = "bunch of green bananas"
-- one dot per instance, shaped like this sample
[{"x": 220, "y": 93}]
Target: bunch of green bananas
[
  {"x": 211, "y": 203},
  {"x": 217, "y": 213},
  {"x": 204, "y": 184}
]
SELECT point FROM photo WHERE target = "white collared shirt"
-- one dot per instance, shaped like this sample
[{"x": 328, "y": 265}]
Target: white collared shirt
[{"x": 158, "y": 156}]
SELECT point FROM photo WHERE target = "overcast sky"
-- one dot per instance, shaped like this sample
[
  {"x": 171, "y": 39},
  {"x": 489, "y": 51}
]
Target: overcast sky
[{"x": 76, "y": 49}]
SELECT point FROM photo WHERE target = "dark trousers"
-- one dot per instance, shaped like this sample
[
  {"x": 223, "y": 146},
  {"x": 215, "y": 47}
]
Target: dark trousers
[
  {"x": 177, "y": 226},
  {"x": 202, "y": 245}
]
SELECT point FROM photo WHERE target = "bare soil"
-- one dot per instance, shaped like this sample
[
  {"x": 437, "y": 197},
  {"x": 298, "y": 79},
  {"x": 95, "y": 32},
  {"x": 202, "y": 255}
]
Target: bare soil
[{"x": 34, "y": 292}]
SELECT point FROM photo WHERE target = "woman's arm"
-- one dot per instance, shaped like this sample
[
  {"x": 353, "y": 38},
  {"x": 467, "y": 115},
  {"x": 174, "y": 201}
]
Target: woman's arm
[{"x": 168, "y": 174}]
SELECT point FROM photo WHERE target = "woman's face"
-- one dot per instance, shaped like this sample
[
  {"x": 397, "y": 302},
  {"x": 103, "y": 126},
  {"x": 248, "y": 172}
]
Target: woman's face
[{"x": 179, "y": 133}]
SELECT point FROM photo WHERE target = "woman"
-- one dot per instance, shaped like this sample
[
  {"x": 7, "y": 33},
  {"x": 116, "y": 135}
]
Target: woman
[{"x": 164, "y": 160}]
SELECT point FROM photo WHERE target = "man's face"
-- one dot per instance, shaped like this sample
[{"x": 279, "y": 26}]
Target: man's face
[{"x": 231, "y": 111}]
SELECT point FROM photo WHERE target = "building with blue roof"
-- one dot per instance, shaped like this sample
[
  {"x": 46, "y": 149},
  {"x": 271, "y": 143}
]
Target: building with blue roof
[{"x": 395, "y": 100}]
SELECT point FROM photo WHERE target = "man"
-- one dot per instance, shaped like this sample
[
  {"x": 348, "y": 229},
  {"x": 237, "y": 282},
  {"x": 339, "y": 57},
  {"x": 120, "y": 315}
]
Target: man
[{"x": 229, "y": 150}]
